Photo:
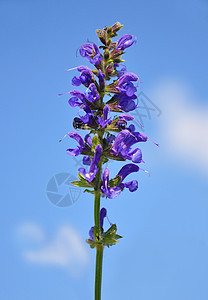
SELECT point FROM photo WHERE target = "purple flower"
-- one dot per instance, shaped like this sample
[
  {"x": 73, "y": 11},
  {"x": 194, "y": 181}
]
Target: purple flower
[
  {"x": 103, "y": 215},
  {"x": 131, "y": 128},
  {"x": 85, "y": 78},
  {"x": 92, "y": 94},
  {"x": 87, "y": 119},
  {"x": 128, "y": 88},
  {"x": 119, "y": 72},
  {"x": 91, "y": 53},
  {"x": 122, "y": 71},
  {"x": 76, "y": 81},
  {"x": 110, "y": 138},
  {"x": 79, "y": 139},
  {"x": 126, "y": 103},
  {"x": 78, "y": 99},
  {"x": 125, "y": 171},
  {"x": 126, "y": 117},
  {"x": 123, "y": 119},
  {"x": 101, "y": 78},
  {"x": 85, "y": 68},
  {"x": 86, "y": 161},
  {"x": 86, "y": 50},
  {"x": 97, "y": 58},
  {"x": 125, "y": 41},
  {"x": 121, "y": 124},
  {"x": 123, "y": 142},
  {"x": 112, "y": 192},
  {"x": 88, "y": 140},
  {"x": 127, "y": 77},
  {"x": 93, "y": 166},
  {"x": 104, "y": 121}
]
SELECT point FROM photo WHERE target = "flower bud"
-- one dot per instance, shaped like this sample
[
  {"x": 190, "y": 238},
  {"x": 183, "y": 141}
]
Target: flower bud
[
  {"x": 106, "y": 54},
  {"x": 116, "y": 54},
  {"x": 109, "y": 30},
  {"x": 116, "y": 27},
  {"x": 118, "y": 60},
  {"x": 79, "y": 124},
  {"x": 102, "y": 36}
]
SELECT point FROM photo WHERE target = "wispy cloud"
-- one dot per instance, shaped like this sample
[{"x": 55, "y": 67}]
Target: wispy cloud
[
  {"x": 30, "y": 232},
  {"x": 184, "y": 124},
  {"x": 66, "y": 249}
]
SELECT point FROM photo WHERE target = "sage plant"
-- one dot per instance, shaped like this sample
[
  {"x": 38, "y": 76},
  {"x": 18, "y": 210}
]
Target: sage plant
[{"x": 101, "y": 119}]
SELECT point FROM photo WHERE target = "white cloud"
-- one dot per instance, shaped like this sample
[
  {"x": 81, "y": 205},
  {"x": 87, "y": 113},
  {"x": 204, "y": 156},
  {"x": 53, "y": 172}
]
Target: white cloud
[
  {"x": 30, "y": 232},
  {"x": 66, "y": 250},
  {"x": 183, "y": 124}
]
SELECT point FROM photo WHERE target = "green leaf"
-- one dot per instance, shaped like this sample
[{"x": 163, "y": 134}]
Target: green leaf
[{"x": 115, "y": 181}]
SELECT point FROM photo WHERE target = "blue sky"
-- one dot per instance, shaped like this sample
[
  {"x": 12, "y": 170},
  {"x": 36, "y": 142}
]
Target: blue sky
[{"x": 164, "y": 251}]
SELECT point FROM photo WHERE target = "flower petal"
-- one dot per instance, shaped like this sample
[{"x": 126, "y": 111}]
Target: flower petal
[
  {"x": 77, "y": 137},
  {"x": 126, "y": 170}
]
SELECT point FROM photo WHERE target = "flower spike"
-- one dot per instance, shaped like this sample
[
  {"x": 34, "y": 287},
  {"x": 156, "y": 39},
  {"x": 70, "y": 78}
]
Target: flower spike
[{"x": 107, "y": 77}]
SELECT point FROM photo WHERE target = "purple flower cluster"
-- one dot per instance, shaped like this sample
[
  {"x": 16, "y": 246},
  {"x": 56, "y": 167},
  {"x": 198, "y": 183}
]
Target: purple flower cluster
[
  {"x": 107, "y": 77},
  {"x": 98, "y": 115}
]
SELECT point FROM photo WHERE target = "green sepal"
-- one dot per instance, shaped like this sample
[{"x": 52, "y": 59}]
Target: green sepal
[
  {"x": 113, "y": 100},
  {"x": 115, "y": 120},
  {"x": 111, "y": 156},
  {"x": 89, "y": 191},
  {"x": 107, "y": 238},
  {"x": 116, "y": 54},
  {"x": 91, "y": 243},
  {"x": 81, "y": 177},
  {"x": 117, "y": 236},
  {"x": 111, "y": 230},
  {"x": 81, "y": 183},
  {"x": 97, "y": 234},
  {"x": 118, "y": 60},
  {"x": 111, "y": 87},
  {"x": 104, "y": 160},
  {"x": 110, "y": 237},
  {"x": 106, "y": 54},
  {"x": 109, "y": 241},
  {"x": 95, "y": 142},
  {"x": 112, "y": 126},
  {"x": 115, "y": 181}
]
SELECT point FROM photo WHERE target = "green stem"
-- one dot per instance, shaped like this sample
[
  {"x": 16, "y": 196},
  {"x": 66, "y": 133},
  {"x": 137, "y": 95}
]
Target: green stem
[
  {"x": 99, "y": 247},
  {"x": 98, "y": 272},
  {"x": 97, "y": 208}
]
